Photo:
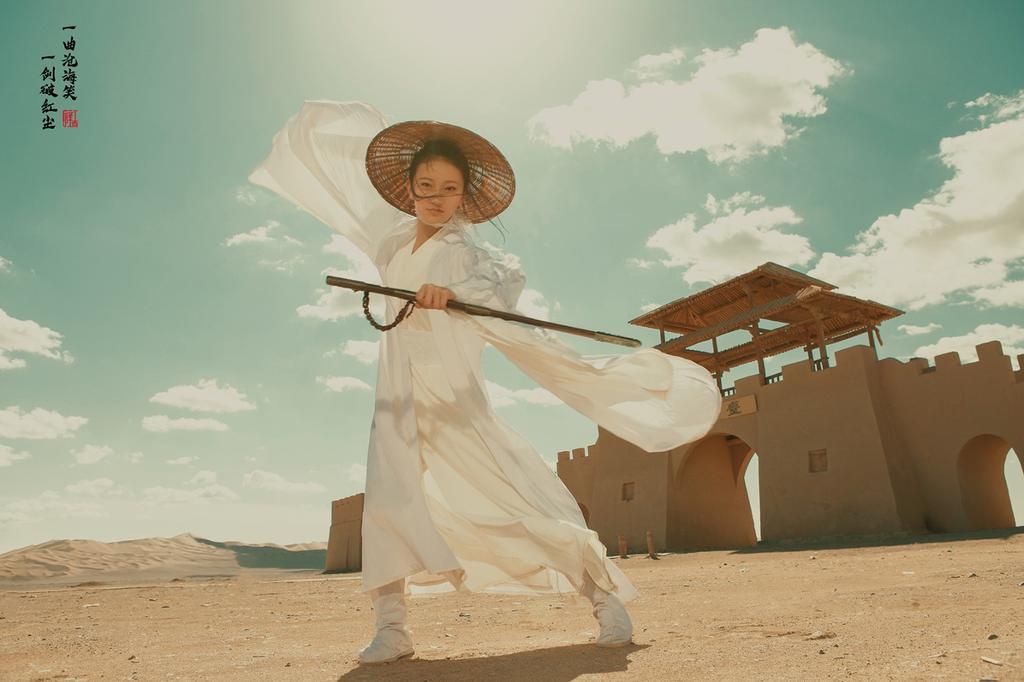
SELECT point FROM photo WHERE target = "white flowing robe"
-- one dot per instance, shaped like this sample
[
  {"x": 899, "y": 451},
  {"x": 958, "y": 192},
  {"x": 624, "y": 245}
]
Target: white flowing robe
[{"x": 455, "y": 498}]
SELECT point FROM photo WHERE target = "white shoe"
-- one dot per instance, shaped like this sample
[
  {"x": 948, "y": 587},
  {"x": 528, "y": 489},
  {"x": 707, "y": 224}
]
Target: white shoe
[
  {"x": 393, "y": 639},
  {"x": 616, "y": 628},
  {"x": 389, "y": 645}
]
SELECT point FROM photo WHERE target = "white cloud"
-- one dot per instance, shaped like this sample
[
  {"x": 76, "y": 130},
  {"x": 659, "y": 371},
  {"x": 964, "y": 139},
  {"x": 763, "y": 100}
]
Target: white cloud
[
  {"x": 640, "y": 263},
  {"x": 8, "y": 455},
  {"x": 916, "y": 330},
  {"x": 48, "y": 503},
  {"x": 267, "y": 480},
  {"x": 1009, "y": 293},
  {"x": 184, "y": 460},
  {"x": 258, "y": 235},
  {"x": 741, "y": 199},
  {"x": 37, "y": 424},
  {"x": 358, "y": 264},
  {"x": 501, "y": 396},
  {"x": 738, "y": 103},
  {"x": 732, "y": 242},
  {"x": 161, "y": 423},
  {"x": 134, "y": 457},
  {"x": 999, "y": 106},
  {"x": 281, "y": 264},
  {"x": 244, "y": 195},
  {"x": 26, "y": 336},
  {"x": 365, "y": 352},
  {"x": 335, "y": 303},
  {"x": 209, "y": 493},
  {"x": 1011, "y": 337},
  {"x": 261, "y": 235},
  {"x": 8, "y": 518},
  {"x": 94, "y": 488},
  {"x": 962, "y": 239},
  {"x": 652, "y": 66},
  {"x": 339, "y": 384},
  {"x": 90, "y": 454},
  {"x": 648, "y": 307},
  {"x": 206, "y": 396},
  {"x": 204, "y": 477},
  {"x": 532, "y": 303},
  {"x": 5, "y": 265}
]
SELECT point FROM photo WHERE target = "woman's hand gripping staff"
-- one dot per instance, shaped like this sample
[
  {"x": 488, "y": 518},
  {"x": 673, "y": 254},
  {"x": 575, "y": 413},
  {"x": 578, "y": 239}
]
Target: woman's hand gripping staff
[{"x": 433, "y": 296}]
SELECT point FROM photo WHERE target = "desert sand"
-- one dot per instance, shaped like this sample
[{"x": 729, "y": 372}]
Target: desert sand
[{"x": 941, "y": 607}]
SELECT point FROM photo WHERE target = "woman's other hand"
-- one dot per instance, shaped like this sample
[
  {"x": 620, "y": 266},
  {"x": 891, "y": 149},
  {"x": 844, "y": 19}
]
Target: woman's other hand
[{"x": 433, "y": 296}]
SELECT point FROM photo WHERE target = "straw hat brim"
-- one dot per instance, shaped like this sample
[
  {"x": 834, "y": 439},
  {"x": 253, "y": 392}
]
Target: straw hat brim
[{"x": 489, "y": 189}]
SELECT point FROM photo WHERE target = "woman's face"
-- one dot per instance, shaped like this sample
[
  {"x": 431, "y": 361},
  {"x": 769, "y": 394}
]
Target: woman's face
[{"x": 439, "y": 185}]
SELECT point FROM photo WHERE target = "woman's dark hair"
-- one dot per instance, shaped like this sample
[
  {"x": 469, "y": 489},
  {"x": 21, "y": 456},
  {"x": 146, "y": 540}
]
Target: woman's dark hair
[{"x": 449, "y": 150}]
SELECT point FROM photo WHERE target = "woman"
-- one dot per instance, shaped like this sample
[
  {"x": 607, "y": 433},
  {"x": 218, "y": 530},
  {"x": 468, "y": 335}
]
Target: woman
[{"x": 456, "y": 499}]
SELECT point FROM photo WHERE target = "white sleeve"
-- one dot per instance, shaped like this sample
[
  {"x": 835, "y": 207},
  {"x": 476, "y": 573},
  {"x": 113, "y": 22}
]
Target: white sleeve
[
  {"x": 481, "y": 278},
  {"x": 318, "y": 162}
]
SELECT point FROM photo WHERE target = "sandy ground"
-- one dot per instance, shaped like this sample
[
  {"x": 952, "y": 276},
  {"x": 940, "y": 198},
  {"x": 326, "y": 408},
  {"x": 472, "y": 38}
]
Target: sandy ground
[{"x": 936, "y": 609}]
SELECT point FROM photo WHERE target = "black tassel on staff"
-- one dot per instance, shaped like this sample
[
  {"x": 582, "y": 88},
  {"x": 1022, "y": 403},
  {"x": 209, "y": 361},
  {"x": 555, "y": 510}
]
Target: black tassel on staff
[{"x": 470, "y": 308}]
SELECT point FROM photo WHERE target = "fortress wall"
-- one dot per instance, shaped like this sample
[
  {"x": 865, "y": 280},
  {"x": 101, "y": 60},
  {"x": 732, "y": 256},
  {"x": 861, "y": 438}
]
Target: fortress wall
[
  {"x": 709, "y": 508},
  {"x": 743, "y": 426},
  {"x": 576, "y": 469},
  {"x": 939, "y": 409},
  {"x": 620, "y": 462},
  {"x": 609, "y": 463},
  {"x": 831, "y": 411},
  {"x": 891, "y": 433},
  {"x": 902, "y": 473},
  {"x": 345, "y": 542}
]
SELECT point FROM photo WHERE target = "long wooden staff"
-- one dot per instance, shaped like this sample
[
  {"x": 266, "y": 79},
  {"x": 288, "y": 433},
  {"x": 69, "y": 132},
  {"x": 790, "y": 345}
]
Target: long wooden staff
[{"x": 474, "y": 309}]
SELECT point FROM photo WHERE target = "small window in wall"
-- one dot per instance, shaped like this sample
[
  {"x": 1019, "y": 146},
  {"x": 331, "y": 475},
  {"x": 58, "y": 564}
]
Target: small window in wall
[
  {"x": 627, "y": 491},
  {"x": 818, "y": 461}
]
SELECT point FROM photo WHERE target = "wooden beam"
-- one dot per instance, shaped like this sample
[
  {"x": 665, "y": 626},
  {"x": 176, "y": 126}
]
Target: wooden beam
[
  {"x": 696, "y": 317},
  {"x": 755, "y": 334},
  {"x": 822, "y": 351},
  {"x": 848, "y": 335},
  {"x": 802, "y": 334}
]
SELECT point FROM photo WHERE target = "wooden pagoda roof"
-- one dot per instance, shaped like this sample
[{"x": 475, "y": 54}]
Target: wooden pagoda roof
[
  {"x": 769, "y": 292},
  {"x": 766, "y": 282}
]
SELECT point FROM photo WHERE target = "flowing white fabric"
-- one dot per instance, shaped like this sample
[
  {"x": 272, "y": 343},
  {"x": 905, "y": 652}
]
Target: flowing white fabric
[{"x": 455, "y": 498}]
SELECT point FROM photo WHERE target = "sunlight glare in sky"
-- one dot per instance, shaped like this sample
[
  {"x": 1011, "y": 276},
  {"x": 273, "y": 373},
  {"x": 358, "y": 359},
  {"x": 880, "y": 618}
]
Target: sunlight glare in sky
[{"x": 460, "y": 39}]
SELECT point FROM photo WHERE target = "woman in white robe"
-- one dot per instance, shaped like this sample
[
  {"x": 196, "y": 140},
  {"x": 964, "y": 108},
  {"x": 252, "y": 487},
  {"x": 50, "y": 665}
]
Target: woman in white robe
[{"x": 455, "y": 498}]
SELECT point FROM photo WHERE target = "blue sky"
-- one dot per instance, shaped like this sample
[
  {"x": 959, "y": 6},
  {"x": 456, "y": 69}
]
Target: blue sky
[{"x": 170, "y": 361}]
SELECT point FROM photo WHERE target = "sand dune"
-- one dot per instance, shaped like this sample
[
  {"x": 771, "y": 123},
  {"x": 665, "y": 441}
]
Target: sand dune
[{"x": 60, "y": 561}]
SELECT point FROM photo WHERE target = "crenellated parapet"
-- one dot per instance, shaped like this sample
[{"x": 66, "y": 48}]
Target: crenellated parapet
[
  {"x": 577, "y": 457},
  {"x": 802, "y": 373},
  {"x": 990, "y": 358}
]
